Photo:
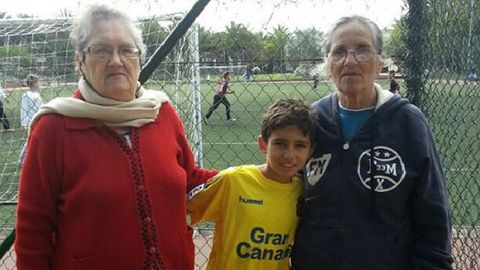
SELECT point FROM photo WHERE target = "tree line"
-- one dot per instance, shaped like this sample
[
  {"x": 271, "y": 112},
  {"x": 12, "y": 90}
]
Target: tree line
[{"x": 279, "y": 50}]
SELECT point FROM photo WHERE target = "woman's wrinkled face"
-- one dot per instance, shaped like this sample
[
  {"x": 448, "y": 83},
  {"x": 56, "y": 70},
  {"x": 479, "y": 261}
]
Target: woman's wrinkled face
[
  {"x": 356, "y": 42},
  {"x": 110, "y": 63}
]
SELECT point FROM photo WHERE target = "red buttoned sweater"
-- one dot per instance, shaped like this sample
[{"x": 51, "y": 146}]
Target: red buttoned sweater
[{"x": 88, "y": 200}]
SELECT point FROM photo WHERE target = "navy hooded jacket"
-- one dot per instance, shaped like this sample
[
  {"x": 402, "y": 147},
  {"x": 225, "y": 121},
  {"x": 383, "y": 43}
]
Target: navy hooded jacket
[{"x": 398, "y": 221}]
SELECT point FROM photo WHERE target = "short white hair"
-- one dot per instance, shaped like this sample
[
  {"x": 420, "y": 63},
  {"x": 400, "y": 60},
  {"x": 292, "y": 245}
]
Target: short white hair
[
  {"x": 377, "y": 34},
  {"x": 84, "y": 25}
]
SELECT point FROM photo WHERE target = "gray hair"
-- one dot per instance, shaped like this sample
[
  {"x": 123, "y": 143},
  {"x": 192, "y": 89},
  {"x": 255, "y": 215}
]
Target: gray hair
[
  {"x": 84, "y": 25},
  {"x": 377, "y": 34}
]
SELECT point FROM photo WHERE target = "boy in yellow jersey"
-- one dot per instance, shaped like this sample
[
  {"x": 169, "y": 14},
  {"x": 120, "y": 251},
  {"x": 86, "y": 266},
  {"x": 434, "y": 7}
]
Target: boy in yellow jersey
[{"x": 254, "y": 206}]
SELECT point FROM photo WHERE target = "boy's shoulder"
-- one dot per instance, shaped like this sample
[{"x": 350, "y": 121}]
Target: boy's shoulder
[
  {"x": 226, "y": 178},
  {"x": 236, "y": 172},
  {"x": 239, "y": 170}
]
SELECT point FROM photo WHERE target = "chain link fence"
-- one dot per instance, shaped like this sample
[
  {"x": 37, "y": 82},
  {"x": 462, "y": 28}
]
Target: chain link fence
[
  {"x": 433, "y": 46},
  {"x": 446, "y": 63}
]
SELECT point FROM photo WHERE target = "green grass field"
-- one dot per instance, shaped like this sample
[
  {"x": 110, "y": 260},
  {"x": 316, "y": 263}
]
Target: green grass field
[{"x": 226, "y": 144}]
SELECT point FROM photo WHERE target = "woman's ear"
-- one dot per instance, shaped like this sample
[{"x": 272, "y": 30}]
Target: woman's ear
[
  {"x": 78, "y": 58},
  {"x": 78, "y": 63},
  {"x": 379, "y": 64},
  {"x": 262, "y": 144},
  {"x": 328, "y": 68}
]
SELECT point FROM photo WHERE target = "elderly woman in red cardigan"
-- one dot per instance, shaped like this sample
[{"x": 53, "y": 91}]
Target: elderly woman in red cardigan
[{"x": 106, "y": 172}]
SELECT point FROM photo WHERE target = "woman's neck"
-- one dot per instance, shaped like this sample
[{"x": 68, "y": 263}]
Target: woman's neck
[{"x": 361, "y": 100}]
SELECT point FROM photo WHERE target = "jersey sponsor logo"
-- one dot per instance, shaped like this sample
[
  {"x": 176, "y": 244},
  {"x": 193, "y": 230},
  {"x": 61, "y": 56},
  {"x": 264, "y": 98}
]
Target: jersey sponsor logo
[
  {"x": 316, "y": 167},
  {"x": 264, "y": 245},
  {"x": 389, "y": 169},
  {"x": 194, "y": 191},
  {"x": 249, "y": 201}
]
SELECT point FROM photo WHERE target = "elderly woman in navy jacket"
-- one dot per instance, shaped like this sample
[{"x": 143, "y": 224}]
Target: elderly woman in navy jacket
[{"x": 375, "y": 195}]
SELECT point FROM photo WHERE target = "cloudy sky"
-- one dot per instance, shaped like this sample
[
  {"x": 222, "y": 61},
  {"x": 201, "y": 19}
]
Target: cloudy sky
[{"x": 255, "y": 14}]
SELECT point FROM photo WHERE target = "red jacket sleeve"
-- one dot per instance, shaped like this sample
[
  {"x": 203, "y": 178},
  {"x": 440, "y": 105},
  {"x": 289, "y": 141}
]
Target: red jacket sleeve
[
  {"x": 38, "y": 191},
  {"x": 195, "y": 174}
]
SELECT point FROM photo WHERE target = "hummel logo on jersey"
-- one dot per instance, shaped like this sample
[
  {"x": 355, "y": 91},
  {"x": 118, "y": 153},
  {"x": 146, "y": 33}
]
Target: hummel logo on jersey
[{"x": 249, "y": 201}]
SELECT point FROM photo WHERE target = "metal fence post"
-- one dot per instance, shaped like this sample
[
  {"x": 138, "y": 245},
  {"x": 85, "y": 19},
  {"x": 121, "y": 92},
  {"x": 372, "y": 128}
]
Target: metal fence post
[{"x": 415, "y": 39}]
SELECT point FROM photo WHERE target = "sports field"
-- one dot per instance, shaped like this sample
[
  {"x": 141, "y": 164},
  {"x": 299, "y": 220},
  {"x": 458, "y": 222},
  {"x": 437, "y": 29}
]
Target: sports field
[{"x": 227, "y": 144}]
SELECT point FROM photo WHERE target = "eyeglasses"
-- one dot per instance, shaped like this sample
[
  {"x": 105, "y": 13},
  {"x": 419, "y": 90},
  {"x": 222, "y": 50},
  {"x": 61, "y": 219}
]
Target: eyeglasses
[
  {"x": 361, "y": 55},
  {"x": 106, "y": 52}
]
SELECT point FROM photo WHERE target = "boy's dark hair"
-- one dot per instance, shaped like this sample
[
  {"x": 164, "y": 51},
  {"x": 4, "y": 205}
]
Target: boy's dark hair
[
  {"x": 226, "y": 74},
  {"x": 288, "y": 112}
]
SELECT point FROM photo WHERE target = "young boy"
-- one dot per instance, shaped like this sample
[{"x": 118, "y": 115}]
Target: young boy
[
  {"x": 254, "y": 206},
  {"x": 29, "y": 106},
  {"x": 31, "y": 101}
]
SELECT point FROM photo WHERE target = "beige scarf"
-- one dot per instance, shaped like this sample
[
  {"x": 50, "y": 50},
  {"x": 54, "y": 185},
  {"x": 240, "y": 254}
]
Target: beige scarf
[{"x": 135, "y": 113}]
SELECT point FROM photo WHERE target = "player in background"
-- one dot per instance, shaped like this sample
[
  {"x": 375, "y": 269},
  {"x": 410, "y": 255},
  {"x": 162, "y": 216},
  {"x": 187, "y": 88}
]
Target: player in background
[
  {"x": 29, "y": 106},
  {"x": 221, "y": 98},
  {"x": 394, "y": 86},
  {"x": 3, "y": 116}
]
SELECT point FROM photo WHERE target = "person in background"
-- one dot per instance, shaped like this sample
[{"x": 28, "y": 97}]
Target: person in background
[
  {"x": 247, "y": 74},
  {"x": 106, "y": 174},
  {"x": 3, "y": 116},
  {"x": 394, "y": 86},
  {"x": 254, "y": 206},
  {"x": 221, "y": 98},
  {"x": 375, "y": 193},
  {"x": 472, "y": 76},
  {"x": 31, "y": 101},
  {"x": 316, "y": 80},
  {"x": 29, "y": 106}
]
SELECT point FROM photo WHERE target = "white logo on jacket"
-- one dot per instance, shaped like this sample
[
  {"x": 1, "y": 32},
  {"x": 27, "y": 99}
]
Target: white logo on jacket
[
  {"x": 316, "y": 167},
  {"x": 389, "y": 169}
]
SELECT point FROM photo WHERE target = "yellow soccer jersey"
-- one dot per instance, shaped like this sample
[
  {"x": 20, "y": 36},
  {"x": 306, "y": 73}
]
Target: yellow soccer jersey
[{"x": 255, "y": 218}]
